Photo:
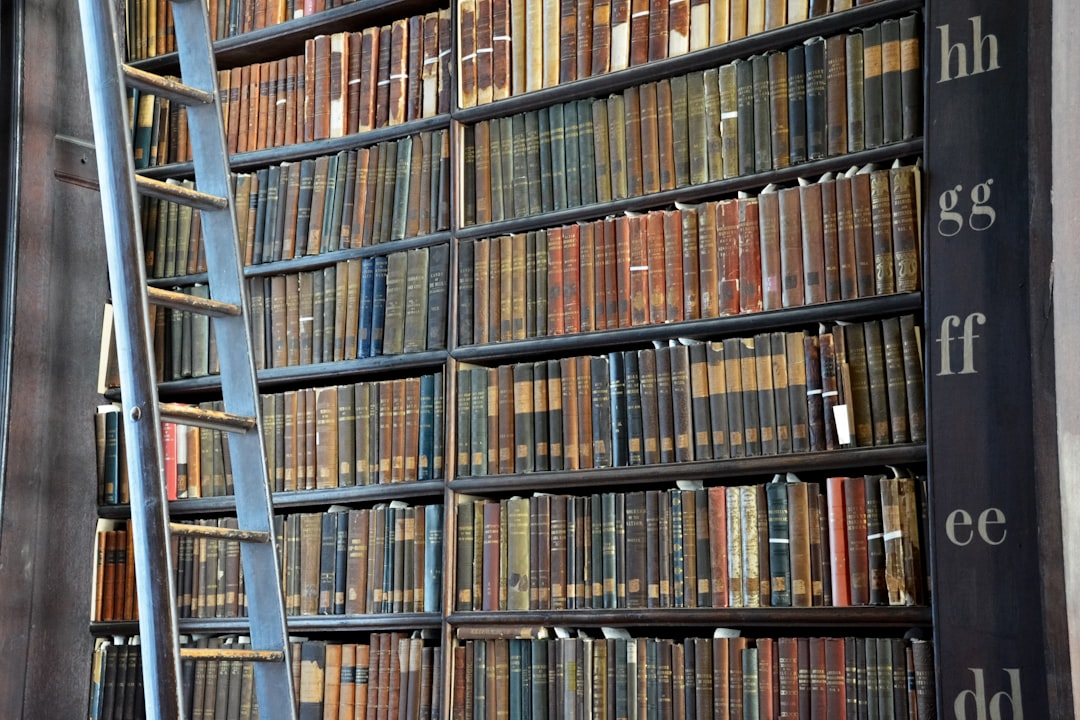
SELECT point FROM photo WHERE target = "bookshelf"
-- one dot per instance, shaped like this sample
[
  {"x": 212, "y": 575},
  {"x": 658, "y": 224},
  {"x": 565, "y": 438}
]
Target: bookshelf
[{"x": 477, "y": 638}]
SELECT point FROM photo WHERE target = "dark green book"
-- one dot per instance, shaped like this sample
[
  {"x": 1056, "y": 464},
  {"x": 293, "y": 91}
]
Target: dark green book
[
  {"x": 438, "y": 296},
  {"x": 910, "y": 78},
  {"x": 398, "y": 291},
  {"x": 617, "y": 393},
  {"x": 464, "y": 422},
  {"x": 572, "y": 154},
  {"x": 587, "y": 151},
  {"x": 496, "y": 169},
  {"x": 468, "y": 204},
  {"x": 762, "y": 101},
  {"x": 438, "y": 454},
  {"x": 531, "y": 166},
  {"x": 524, "y": 434},
  {"x": 873, "y": 118},
  {"x": 418, "y": 282},
  {"x": 546, "y": 194},
  {"x": 601, "y": 411},
  {"x": 744, "y": 99},
  {"x": 779, "y": 548},
  {"x": 555, "y": 415},
  {"x": 478, "y": 443},
  {"x": 796, "y": 88},
  {"x": 632, "y": 390},
  {"x": 694, "y": 102},
  {"x": 892, "y": 115},
  {"x": 557, "y": 147},
  {"x": 816, "y": 99},
  {"x": 426, "y": 445},
  {"x": 540, "y": 420},
  {"x": 523, "y": 164},
  {"x": 378, "y": 305}
]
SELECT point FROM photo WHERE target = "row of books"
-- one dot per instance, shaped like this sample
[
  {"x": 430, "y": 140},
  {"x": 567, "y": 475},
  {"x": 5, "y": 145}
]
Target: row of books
[
  {"x": 782, "y": 544},
  {"x": 358, "y": 434},
  {"x": 356, "y": 198},
  {"x": 691, "y": 129},
  {"x": 509, "y": 47},
  {"x": 774, "y": 393},
  {"x": 383, "y": 559},
  {"x": 342, "y": 681},
  {"x": 856, "y": 235},
  {"x": 572, "y": 677},
  {"x": 343, "y": 84},
  {"x": 149, "y": 29},
  {"x": 384, "y": 305}
]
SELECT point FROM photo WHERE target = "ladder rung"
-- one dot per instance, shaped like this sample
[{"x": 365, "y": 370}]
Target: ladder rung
[
  {"x": 166, "y": 87},
  {"x": 199, "y": 417},
  {"x": 219, "y": 533},
  {"x": 227, "y": 654},
  {"x": 180, "y": 194},
  {"x": 193, "y": 303}
]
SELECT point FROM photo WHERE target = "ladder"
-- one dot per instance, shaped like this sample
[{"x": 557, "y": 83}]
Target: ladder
[{"x": 143, "y": 414}]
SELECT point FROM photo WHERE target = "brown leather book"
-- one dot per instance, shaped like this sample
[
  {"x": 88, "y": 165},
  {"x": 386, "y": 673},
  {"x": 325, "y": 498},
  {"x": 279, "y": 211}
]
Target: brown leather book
[
  {"x": 836, "y": 88},
  {"x": 791, "y": 248},
  {"x": 639, "y": 21},
  {"x": 766, "y": 393},
  {"x": 799, "y": 536},
  {"x": 733, "y": 395},
  {"x": 568, "y": 24},
  {"x": 571, "y": 278},
  {"x": 911, "y": 337},
  {"x": 895, "y": 380},
  {"x": 881, "y": 217},
  {"x": 570, "y": 414},
  {"x": 654, "y": 242},
  {"x": 830, "y": 388},
  {"x": 430, "y": 66},
  {"x": 904, "y": 184},
  {"x": 587, "y": 260},
  {"x": 750, "y": 259},
  {"x": 618, "y": 163},
  {"x": 608, "y": 304},
  {"x": 368, "y": 78},
  {"x": 624, "y": 273},
  {"x": 650, "y": 143},
  {"x": 718, "y": 413},
  {"x": 708, "y": 262},
  {"x": 859, "y": 396},
  {"x": 467, "y": 53},
  {"x": 671, "y": 126},
  {"x": 752, "y": 427},
  {"x": 650, "y": 418},
  {"x": 484, "y": 188},
  {"x": 863, "y": 226},
  {"x": 556, "y": 316},
  {"x": 399, "y": 68},
  {"x": 877, "y": 381},
  {"x": 813, "y": 243},
  {"x": 671, "y": 224},
  {"x": 691, "y": 273},
  {"x": 414, "y": 64},
  {"x": 681, "y": 393},
  {"x": 583, "y": 38},
  {"x": 600, "y": 62},
  {"x": 584, "y": 399},
  {"x": 727, "y": 250},
  {"x": 845, "y": 238}
]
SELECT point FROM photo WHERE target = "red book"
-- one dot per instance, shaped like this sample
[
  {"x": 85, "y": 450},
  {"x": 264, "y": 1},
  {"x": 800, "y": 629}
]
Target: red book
[
  {"x": 718, "y": 546},
  {"x": 750, "y": 270},
  {"x": 571, "y": 278},
  {"x": 791, "y": 248},
  {"x": 654, "y": 242},
  {"x": 858, "y": 560},
  {"x": 813, "y": 245},
  {"x": 727, "y": 252},
  {"x": 168, "y": 448},
  {"x": 673, "y": 264},
  {"x": 841, "y": 589},
  {"x": 556, "y": 316},
  {"x": 623, "y": 270},
  {"x": 768, "y": 680}
]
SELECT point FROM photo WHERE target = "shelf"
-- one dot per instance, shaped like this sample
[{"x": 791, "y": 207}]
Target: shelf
[
  {"x": 314, "y": 262},
  {"x": 817, "y": 617},
  {"x": 285, "y": 378},
  {"x": 619, "y": 477},
  {"x": 296, "y": 499},
  {"x": 331, "y": 146},
  {"x": 732, "y": 325},
  {"x": 302, "y": 623},
  {"x": 288, "y": 38},
  {"x": 787, "y": 36},
  {"x": 694, "y": 193}
]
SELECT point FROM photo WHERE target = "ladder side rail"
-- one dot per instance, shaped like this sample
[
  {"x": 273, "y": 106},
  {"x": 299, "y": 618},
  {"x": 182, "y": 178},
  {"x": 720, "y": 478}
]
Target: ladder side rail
[
  {"x": 238, "y": 380},
  {"x": 149, "y": 511}
]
